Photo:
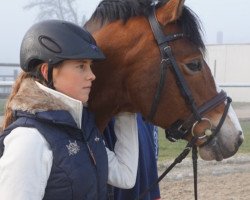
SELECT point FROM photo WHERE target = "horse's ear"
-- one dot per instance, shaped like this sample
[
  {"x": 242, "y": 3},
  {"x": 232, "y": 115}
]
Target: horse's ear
[{"x": 170, "y": 11}]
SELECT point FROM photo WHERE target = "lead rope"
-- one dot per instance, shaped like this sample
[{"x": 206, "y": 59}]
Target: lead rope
[
  {"x": 195, "y": 158},
  {"x": 179, "y": 159}
]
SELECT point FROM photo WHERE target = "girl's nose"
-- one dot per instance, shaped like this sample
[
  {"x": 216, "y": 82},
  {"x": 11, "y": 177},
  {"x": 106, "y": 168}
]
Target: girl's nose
[{"x": 91, "y": 76}]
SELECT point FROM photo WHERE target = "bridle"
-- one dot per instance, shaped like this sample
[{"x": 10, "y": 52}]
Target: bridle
[{"x": 181, "y": 128}]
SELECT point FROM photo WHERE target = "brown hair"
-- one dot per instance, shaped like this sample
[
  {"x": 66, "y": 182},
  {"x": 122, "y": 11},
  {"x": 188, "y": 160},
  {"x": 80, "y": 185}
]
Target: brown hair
[
  {"x": 8, "y": 115},
  {"x": 34, "y": 74}
]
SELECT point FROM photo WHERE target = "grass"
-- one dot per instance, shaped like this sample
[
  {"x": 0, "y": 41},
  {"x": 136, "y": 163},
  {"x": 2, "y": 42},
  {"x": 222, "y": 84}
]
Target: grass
[
  {"x": 169, "y": 150},
  {"x": 245, "y": 147}
]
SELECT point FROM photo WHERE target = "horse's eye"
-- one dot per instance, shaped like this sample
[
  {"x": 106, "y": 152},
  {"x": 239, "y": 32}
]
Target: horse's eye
[{"x": 195, "y": 65}]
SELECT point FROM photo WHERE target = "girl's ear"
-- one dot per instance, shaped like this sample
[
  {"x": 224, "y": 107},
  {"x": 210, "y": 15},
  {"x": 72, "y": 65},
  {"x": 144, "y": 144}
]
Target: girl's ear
[{"x": 44, "y": 71}]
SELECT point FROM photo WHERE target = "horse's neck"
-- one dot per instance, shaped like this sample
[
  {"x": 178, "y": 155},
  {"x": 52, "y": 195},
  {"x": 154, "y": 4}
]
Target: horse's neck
[{"x": 102, "y": 122}]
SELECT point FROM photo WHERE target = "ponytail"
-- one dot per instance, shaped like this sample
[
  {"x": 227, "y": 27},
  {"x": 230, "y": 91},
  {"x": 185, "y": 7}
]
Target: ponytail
[{"x": 8, "y": 114}]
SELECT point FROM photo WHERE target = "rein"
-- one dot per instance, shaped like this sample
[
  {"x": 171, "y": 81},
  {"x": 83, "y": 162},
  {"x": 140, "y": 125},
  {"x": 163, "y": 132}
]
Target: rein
[
  {"x": 179, "y": 159},
  {"x": 181, "y": 128}
]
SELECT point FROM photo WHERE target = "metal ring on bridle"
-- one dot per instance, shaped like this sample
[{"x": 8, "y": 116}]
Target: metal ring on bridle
[{"x": 208, "y": 132}]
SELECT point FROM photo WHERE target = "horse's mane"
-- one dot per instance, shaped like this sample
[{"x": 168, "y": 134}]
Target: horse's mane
[{"x": 111, "y": 10}]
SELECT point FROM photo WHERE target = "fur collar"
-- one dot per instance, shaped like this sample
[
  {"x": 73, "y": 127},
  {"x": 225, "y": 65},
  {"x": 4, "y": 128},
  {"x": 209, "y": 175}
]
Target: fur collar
[{"x": 32, "y": 99}]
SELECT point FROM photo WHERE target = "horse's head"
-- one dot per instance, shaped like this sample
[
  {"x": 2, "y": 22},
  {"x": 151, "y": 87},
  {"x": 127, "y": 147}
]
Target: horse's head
[{"x": 161, "y": 74}]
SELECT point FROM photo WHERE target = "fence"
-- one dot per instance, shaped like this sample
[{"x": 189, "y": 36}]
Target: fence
[
  {"x": 238, "y": 91},
  {"x": 8, "y": 74}
]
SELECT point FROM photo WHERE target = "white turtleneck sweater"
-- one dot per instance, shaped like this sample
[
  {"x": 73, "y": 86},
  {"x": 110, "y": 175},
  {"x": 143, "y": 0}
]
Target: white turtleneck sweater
[{"x": 27, "y": 160}]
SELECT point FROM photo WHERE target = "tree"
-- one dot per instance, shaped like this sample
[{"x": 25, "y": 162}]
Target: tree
[{"x": 57, "y": 9}]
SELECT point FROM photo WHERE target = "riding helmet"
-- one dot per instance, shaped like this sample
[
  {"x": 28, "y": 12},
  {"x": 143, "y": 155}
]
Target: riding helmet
[{"x": 53, "y": 41}]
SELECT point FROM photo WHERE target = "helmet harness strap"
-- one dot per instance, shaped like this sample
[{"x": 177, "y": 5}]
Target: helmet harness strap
[{"x": 50, "y": 76}]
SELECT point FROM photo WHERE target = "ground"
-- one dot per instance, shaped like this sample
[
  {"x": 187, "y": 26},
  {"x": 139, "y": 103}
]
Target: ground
[{"x": 225, "y": 180}]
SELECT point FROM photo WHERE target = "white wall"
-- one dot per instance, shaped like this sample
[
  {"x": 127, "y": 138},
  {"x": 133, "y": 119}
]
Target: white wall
[{"x": 230, "y": 64}]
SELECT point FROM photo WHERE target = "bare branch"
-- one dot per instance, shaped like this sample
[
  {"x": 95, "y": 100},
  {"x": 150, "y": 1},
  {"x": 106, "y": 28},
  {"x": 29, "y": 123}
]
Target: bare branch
[
  {"x": 59, "y": 9},
  {"x": 74, "y": 14}
]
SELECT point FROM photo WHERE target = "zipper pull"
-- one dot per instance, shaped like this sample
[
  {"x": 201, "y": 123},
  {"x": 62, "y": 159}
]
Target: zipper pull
[{"x": 91, "y": 154}]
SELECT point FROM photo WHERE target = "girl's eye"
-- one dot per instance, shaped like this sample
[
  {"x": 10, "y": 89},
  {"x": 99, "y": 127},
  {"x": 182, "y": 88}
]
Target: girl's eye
[
  {"x": 195, "y": 65},
  {"x": 80, "y": 66}
]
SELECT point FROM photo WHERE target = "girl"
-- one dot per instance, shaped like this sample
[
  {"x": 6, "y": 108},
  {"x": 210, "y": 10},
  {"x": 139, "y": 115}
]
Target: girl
[{"x": 51, "y": 148}]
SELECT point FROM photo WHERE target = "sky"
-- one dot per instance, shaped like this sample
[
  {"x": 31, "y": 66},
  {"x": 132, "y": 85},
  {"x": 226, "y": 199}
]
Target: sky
[{"x": 231, "y": 17}]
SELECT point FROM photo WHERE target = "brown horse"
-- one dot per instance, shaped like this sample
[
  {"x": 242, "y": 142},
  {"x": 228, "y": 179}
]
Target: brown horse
[{"x": 169, "y": 82}]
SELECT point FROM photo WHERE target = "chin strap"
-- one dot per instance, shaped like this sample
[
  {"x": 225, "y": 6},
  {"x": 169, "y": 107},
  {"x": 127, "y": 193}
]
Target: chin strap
[{"x": 50, "y": 76}]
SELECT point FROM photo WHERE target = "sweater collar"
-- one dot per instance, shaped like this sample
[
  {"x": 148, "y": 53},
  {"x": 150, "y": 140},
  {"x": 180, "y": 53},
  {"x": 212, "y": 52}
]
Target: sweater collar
[{"x": 75, "y": 107}]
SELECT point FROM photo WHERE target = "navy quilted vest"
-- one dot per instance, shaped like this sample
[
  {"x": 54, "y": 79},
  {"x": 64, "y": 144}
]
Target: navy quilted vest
[{"x": 80, "y": 165}]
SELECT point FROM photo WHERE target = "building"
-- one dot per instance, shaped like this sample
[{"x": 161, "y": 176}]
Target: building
[{"x": 230, "y": 65}]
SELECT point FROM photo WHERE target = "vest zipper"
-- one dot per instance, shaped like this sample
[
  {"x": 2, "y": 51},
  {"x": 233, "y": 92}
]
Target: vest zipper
[{"x": 92, "y": 157}]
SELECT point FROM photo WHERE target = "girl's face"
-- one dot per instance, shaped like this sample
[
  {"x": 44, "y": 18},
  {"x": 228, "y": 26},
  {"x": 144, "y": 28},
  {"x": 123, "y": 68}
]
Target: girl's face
[{"x": 74, "y": 78}]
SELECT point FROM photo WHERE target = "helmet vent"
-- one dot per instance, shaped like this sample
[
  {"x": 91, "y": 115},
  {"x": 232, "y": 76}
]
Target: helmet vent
[{"x": 49, "y": 44}]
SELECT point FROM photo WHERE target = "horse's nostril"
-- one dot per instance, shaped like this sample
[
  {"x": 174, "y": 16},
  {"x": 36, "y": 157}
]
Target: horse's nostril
[{"x": 241, "y": 138}]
